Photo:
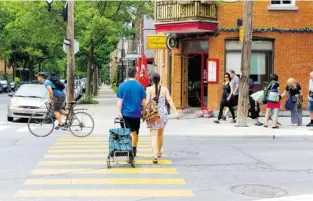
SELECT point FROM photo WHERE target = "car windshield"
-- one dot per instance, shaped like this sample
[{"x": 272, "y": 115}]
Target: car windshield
[
  {"x": 3, "y": 82},
  {"x": 32, "y": 92}
]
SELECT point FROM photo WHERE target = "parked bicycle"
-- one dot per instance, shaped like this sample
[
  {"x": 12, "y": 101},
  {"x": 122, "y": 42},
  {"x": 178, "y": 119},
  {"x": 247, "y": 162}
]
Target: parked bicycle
[{"x": 43, "y": 122}]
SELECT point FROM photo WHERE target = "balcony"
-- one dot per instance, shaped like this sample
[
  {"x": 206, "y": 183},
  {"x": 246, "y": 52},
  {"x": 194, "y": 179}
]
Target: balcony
[{"x": 186, "y": 16}]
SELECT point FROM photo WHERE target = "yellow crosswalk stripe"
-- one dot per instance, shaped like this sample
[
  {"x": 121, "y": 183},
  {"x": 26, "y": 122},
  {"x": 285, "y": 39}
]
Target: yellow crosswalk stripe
[
  {"x": 93, "y": 143},
  {"x": 88, "y": 150},
  {"x": 106, "y": 171},
  {"x": 85, "y": 181},
  {"x": 103, "y": 156},
  {"x": 98, "y": 138},
  {"x": 105, "y": 193},
  {"x": 89, "y": 146},
  {"x": 98, "y": 162}
]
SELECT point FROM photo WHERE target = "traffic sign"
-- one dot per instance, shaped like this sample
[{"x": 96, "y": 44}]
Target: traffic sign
[
  {"x": 76, "y": 46},
  {"x": 67, "y": 44}
]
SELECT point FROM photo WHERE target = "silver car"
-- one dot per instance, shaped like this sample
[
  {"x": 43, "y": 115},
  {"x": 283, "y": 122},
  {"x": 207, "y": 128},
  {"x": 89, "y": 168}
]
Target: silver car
[{"x": 28, "y": 99}]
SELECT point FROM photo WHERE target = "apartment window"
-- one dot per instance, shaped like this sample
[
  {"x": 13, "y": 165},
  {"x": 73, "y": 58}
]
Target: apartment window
[{"x": 283, "y": 5}]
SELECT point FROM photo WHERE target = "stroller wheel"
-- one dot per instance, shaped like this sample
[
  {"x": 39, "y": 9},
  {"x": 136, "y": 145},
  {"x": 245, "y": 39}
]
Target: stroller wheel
[{"x": 108, "y": 162}]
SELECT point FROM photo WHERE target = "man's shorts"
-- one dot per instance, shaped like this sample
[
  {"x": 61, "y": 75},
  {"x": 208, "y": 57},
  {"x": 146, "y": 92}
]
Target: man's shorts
[
  {"x": 310, "y": 106},
  {"x": 58, "y": 102},
  {"x": 132, "y": 123}
]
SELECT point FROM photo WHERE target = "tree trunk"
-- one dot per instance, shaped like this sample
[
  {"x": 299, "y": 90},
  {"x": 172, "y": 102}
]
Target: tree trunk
[
  {"x": 89, "y": 69},
  {"x": 243, "y": 102},
  {"x": 5, "y": 70},
  {"x": 94, "y": 84}
]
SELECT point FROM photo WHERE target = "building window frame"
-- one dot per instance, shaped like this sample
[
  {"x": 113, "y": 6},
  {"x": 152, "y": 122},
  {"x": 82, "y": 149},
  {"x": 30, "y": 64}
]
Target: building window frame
[{"x": 281, "y": 6}]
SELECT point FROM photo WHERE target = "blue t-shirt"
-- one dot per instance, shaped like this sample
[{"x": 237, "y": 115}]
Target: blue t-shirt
[
  {"x": 56, "y": 92},
  {"x": 132, "y": 93}
]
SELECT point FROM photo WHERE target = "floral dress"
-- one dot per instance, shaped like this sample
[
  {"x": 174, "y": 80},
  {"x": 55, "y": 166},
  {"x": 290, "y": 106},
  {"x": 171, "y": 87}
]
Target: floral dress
[{"x": 162, "y": 109}]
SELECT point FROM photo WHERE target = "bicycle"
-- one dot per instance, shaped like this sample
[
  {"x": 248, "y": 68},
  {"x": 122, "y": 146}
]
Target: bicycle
[{"x": 48, "y": 118}]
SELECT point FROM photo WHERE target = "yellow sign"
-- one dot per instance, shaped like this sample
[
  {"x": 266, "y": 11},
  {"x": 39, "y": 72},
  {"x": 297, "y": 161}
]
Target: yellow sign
[
  {"x": 241, "y": 34},
  {"x": 156, "y": 42}
]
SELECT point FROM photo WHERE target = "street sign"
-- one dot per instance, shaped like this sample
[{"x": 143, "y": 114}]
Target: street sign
[
  {"x": 241, "y": 34},
  {"x": 66, "y": 46},
  {"x": 156, "y": 42},
  {"x": 76, "y": 46}
]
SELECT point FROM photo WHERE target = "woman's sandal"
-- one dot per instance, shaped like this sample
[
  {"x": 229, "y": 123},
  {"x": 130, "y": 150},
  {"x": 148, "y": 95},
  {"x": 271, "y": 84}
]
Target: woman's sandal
[
  {"x": 155, "y": 160},
  {"x": 159, "y": 155}
]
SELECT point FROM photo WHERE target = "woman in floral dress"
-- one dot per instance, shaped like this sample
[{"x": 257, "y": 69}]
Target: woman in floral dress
[{"x": 157, "y": 127}]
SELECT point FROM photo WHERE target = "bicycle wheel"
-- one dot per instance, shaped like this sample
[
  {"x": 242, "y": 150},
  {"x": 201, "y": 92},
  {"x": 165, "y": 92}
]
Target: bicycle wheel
[
  {"x": 82, "y": 124},
  {"x": 40, "y": 124}
]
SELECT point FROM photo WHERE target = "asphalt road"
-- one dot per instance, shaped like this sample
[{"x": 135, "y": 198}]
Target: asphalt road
[{"x": 63, "y": 168}]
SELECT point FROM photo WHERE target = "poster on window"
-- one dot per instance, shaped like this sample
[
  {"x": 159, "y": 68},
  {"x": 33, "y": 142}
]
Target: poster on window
[{"x": 212, "y": 71}]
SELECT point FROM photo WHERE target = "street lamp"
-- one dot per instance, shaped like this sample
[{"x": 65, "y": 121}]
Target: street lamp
[{"x": 49, "y": 2}]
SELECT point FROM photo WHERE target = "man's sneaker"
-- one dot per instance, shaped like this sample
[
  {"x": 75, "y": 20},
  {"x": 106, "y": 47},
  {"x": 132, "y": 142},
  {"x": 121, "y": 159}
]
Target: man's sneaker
[
  {"x": 223, "y": 118},
  {"x": 233, "y": 121},
  {"x": 310, "y": 124},
  {"x": 59, "y": 126}
]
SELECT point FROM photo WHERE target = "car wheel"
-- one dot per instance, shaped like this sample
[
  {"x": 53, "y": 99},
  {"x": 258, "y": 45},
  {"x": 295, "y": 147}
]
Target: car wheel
[{"x": 10, "y": 118}]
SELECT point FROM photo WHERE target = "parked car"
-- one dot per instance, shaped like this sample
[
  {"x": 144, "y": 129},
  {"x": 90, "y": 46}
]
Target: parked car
[
  {"x": 5, "y": 85},
  {"x": 28, "y": 99},
  {"x": 13, "y": 86},
  {"x": 83, "y": 84},
  {"x": 79, "y": 88},
  {"x": 1, "y": 89},
  {"x": 76, "y": 90}
]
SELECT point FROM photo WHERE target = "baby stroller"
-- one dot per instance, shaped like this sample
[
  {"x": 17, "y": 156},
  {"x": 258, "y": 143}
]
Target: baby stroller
[{"x": 120, "y": 144}]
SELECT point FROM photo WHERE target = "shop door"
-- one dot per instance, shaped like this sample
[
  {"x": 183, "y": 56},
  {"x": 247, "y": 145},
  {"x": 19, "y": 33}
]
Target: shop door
[
  {"x": 184, "y": 76},
  {"x": 204, "y": 83}
]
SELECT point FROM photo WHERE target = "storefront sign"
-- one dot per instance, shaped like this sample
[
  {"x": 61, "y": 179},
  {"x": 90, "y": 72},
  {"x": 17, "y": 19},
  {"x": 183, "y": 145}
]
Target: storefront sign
[
  {"x": 212, "y": 66},
  {"x": 156, "y": 42},
  {"x": 171, "y": 42}
]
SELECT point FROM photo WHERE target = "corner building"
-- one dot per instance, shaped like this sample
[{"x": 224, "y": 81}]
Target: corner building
[{"x": 282, "y": 44}]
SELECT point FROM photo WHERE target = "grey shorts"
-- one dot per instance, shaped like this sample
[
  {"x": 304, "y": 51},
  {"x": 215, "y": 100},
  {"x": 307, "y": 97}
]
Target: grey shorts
[{"x": 58, "y": 102}]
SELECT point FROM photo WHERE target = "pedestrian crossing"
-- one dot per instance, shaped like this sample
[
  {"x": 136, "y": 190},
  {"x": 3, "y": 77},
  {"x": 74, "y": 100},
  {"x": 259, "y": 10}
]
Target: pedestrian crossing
[{"x": 72, "y": 163}]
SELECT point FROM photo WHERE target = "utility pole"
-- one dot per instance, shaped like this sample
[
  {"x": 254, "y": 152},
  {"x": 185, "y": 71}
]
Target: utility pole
[
  {"x": 243, "y": 102},
  {"x": 70, "y": 54}
]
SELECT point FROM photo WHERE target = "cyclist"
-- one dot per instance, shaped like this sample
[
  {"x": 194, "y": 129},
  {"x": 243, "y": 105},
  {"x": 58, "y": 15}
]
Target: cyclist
[{"x": 57, "y": 98}]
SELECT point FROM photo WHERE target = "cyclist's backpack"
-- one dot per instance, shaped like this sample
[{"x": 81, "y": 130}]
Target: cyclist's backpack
[{"x": 57, "y": 83}]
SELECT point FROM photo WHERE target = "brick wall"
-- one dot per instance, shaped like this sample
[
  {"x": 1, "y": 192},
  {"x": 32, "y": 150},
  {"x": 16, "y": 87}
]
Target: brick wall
[{"x": 292, "y": 51}]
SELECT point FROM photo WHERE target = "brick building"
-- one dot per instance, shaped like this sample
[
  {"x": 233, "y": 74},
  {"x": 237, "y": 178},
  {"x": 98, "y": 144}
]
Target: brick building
[{"x": 282, "y": 43}]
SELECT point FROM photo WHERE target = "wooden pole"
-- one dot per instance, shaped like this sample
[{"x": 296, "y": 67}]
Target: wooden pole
[
  {"x": 70, "y": 54},
  {"x": 243, "y": 102}
]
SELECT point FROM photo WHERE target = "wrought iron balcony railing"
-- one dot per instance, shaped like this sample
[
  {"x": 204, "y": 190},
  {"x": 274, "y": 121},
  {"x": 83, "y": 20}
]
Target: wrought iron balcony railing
[{"x": 171, "y": 11}]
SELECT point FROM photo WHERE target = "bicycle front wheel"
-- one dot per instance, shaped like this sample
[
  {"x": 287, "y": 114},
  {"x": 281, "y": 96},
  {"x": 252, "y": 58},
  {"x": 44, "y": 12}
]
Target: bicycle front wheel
[
  {"x": 82, "y": 124},
  {"x": 40, "y": 124}
]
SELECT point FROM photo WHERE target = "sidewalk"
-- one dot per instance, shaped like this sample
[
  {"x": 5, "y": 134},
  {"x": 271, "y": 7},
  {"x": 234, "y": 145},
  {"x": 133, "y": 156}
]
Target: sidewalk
[{"x": 105, "y": 112}]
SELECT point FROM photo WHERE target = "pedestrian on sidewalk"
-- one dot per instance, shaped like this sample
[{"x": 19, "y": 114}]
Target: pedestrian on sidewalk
[
  {"x": 161, "y": 95},
  {"x": 131, "y": 98},
  {"x": 293, "y": 91},
  {"x": 310, "y": 98},
  {"x": 254, "y": 108},
  {"x": 272, "y": 100},
  {"x": 227, "y": 99},
  {"x": 235, "y": 92}
]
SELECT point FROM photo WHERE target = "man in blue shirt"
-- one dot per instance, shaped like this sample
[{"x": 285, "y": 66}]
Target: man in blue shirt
[
  {"x": 131, "y": 100},
  {"x": 57, "y": 98}
]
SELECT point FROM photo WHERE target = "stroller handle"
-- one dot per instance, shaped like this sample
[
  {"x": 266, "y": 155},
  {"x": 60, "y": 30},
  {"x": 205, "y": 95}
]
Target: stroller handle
[{"x": 119, "y": 121}]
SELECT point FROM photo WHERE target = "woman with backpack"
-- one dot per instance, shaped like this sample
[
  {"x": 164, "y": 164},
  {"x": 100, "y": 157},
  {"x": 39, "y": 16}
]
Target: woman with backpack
[
  {"x": 272, "y": 99},
  {"x": 294, "y": 101}
]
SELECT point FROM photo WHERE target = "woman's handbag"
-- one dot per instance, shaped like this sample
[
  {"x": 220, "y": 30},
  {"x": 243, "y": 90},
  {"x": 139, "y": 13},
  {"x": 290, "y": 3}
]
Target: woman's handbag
[
  {"x": 273, "y": 97},
  {"x": 289, "y": 104},
  {"x": 151, "y": 114}
]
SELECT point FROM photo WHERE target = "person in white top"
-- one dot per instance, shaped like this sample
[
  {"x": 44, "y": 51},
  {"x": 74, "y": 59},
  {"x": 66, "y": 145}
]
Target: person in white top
[{"x": 310, "y": 98}]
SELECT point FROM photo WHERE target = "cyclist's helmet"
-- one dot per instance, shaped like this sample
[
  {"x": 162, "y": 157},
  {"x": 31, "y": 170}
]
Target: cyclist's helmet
[{"x": 42, "y": 74}]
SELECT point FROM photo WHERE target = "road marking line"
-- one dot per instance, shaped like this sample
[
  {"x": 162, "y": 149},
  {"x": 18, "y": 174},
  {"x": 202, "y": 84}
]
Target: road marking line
[
  {"x": 106, "y": 171},
  {"x": 85, "y": 181},
  {"x": 88, "y": 146},
  {"x": 94, "y": 143},
  {"x": 3, "y": 128},
  {"x": 103, "y": 156},
  {"x": 88, "y": 150},
  {"x": 102, "y": 162},
  {"x": 21, "y": 130},
  {"x": 104, "y": 193}
]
